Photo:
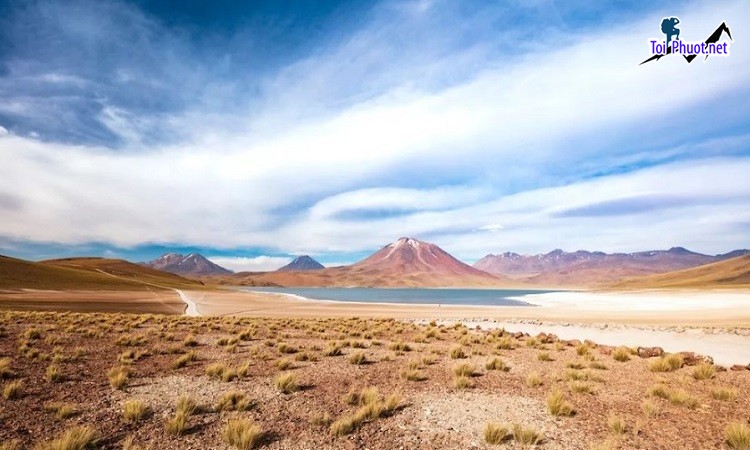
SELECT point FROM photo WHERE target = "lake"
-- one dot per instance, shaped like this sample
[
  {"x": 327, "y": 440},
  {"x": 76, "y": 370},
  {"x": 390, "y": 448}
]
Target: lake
[{"x": 483, "y": 297}]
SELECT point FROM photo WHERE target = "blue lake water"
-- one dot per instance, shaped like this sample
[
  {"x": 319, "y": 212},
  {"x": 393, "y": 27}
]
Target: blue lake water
[{"x": 484, "y": 297}]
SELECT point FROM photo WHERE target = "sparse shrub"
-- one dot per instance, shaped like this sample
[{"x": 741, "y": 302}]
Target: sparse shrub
[
  {"x": 190, "y": 341},
  {"x": 5, "y": 371},
  {"x": 333, "y": 350},
  {"x": 242, "y": 434},
  {"x": 533, "y": 380},
  {"x": 621, "y": 354},
  {"x": 177, "y": 424},
  {"x": 724, "y": 394},
  {"x": 284, "y": 364},
  {"x": 526, "y": 436},
  {"x": 183, "y": 360},
  {"x": 186, "y": 405},
  {"x": 737, "y": 436},
  {"x": 287, "y": 383},
  {"x": 558, "y": 406},
  {"x": 463, "y": 382},
  {"x": 581, "y": 387},
  {"x": 118, "y": 377},
  {"x": 496, "y": 434},
  {"x": 649, "y": 409},
  {"x": 351, "y": 398},
  {"x": 464, "y": 369},
  {"x": 13, "y": 390},
  {"x": 575, "y": 365},
  {"x": 288, "y": 349},
  {"x": 457, "y": 352},
  {"x": 682, "y": 398},
  {"x": 399, "y": 347},
  {"x": 11, "y": 445},
  {"x": 134, "y": 411},
  {"x": 413, "y": 375},
  {"x": 496, "y": 364},
  {"x": 659, "y": 390},
  {"x": 667, "y": 363},
  {"x": 704, "y": 372},
  {"x": 61, "y": 410},
  {"x": 505, "y": 343},
  {"x": 597, "y": 365},
  {"x": 357, "y": 358},
  {"x": 321, "y": 419},
  {"x": 616, "y": 424},
  {"x": 582, "y": 349},
  {"x": 53, "y": 374},
  {"x": 533, "y": 342},
  {"x": 76, "y": 438},
  {"x": 234, "y": 401},
  {"x": 544, "y": 356}
]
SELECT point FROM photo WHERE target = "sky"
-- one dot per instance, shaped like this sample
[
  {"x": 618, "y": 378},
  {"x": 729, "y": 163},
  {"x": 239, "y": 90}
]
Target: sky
[{"x": 253, "y": 132}]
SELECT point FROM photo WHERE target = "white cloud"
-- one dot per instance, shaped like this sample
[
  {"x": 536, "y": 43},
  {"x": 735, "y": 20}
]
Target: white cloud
[
  {"x": 3, "y": 131},
  {"x": 254, "y": 264},
  {"x": 507, "y": 125}
]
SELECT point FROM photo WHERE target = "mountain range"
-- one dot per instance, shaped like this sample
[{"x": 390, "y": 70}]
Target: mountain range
[
  {"x": 193, "y": 264},
  {"x": 584, "y": 268}
]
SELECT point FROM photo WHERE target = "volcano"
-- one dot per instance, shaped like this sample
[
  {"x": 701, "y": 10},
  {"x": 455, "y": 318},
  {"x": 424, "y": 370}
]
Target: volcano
[{"x": 407, "y": 262}]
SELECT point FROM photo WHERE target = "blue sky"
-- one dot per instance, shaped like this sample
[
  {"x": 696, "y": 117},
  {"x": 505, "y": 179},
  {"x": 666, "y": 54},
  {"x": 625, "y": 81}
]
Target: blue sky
[{"x": 255, "y": 131}]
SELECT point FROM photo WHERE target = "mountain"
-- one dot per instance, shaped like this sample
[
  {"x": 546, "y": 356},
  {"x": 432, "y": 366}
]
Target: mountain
[
  {"x": 193, "y": 264},
  {"x": 92, "y": 274},
  {"x": 584, "y": 268},
  {"x": 405, "y": 263},
  {"x": 303, "y": 262},
  {"x": 727, "y": 273}
]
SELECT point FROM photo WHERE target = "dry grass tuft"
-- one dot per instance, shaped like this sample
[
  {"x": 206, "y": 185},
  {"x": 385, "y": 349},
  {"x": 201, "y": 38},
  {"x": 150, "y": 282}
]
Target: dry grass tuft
[
  {"x": 496, "y": 434},
  {"x": 496, "y": 364},
  {"x": 135, "y": 410},
  {"x": 526, "y": 436},
  {"x": 704, "y": 372},
  {"x": 357, "y": 358},
  {"x": 533, "y": 380},
  {"x": 724, "y": 394},
  {"x": 621, "y": 354},
  {"x": 242, "y": 434},
  {"x": 558, "y": 406},
  {"x": 13, "y": 390},
  {"x": 457, "y": 352},
  {"x": 737, "y": 436},
  {"x": 234, "y": 401},
  {"x": 76, "y": 438},
  {"x": 464, "y": 370},
  {"x": 118, "y": 377},
  {"x": 61, "y": 410},
  {"x": 287, "y": 383},
  {"x": 616, "y": 424}
]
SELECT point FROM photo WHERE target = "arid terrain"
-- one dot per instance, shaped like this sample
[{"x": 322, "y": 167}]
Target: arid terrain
[{"x": 173, "y": 382}]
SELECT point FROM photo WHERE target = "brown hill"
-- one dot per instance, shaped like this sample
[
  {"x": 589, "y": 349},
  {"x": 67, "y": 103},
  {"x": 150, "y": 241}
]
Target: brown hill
[
  {"x": 125, "y": 270},
  {"x": 404, "y": 263},
  {"x": 81, "y": 274},
  {"x": 730, "y": 273}
]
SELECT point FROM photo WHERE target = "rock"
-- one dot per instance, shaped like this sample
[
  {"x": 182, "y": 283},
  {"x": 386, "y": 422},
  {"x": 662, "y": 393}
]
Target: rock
[
  {"x": 591, "y": 344},
  {"x": 606, "y": 349},
  {"x": 574, "y": 343},
  {"x": 737, "y": 368},
  {"x": 650, "y": 352},
  {"x": 693, "y": 359},
  {"x": 547, "y": 338}
]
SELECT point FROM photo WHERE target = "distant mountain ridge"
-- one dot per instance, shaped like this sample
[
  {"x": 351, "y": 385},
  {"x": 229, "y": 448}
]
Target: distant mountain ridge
[
  {"x": 193, "y": 264},
  {"x": 727, "y": 273},
  {"x": 585, "y": 268},
  {"x": 303, "y": 262}
]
